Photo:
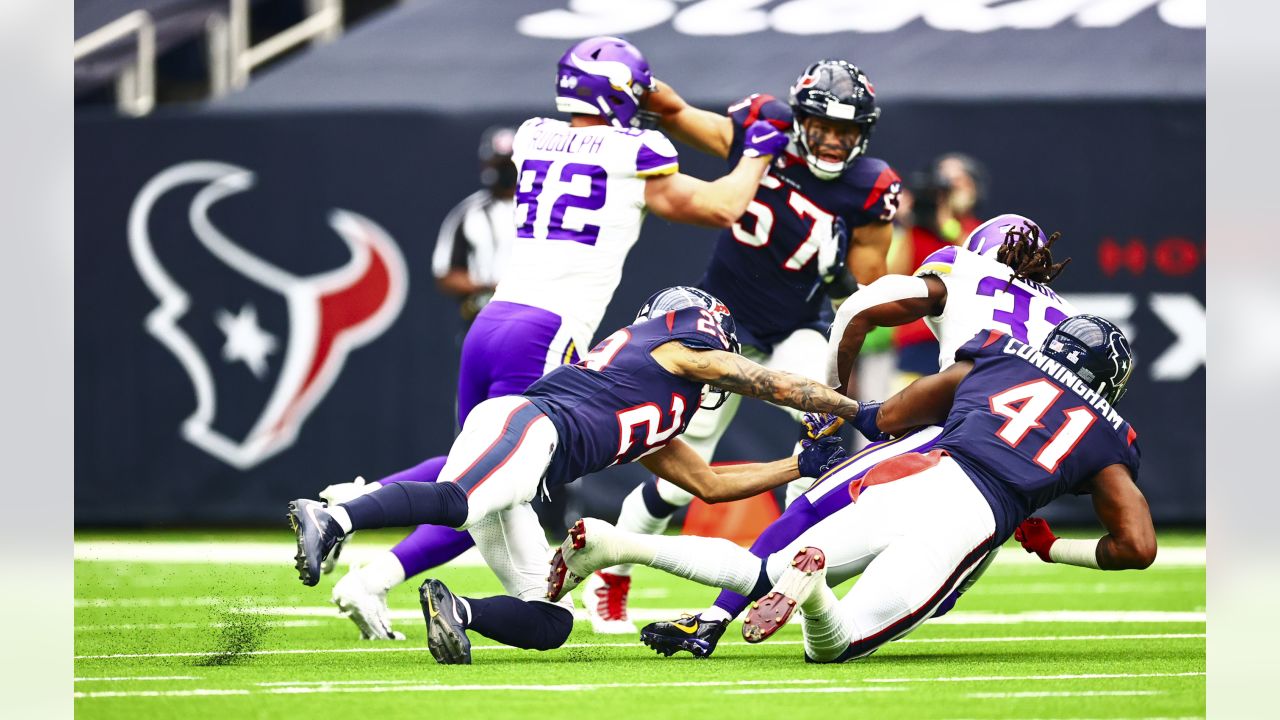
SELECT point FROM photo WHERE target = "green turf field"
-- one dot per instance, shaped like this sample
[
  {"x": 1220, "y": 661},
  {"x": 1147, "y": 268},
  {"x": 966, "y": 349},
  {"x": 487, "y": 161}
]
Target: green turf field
[{"x": 201, "y": 625}]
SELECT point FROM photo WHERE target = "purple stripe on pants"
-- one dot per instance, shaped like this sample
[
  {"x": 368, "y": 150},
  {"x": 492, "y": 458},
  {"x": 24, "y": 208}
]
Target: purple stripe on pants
[
  {"x": 803, "y": 514},
  {"x": 504, "y": 352}
]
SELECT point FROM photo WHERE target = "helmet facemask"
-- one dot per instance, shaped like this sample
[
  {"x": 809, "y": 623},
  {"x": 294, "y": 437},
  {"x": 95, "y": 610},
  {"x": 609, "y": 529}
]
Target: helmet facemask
[{"x": 838, "y": 92}]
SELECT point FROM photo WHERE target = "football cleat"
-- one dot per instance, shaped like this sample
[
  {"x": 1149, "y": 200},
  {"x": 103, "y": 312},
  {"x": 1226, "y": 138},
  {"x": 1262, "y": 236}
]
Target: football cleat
[
  {"x": 690, "y": 633},
  {"x": 605, "y": 598},
  {"x": 589, "y": 547},
  {"x": 446, "y": 633},
  {"x": 366, "y": 608},
  {"x": 769, "y": 613},
  {"x": 317, "y": 533}
]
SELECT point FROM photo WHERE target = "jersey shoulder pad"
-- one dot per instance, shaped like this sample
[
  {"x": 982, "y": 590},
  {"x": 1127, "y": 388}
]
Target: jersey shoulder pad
[
  {"x": 696, "y": 328},
  {"x": 877, "y": 187},
  {"x": 940, "y": 262},
  {"x": 984, "y": 343},
  {"x": 655, "y": 155}
]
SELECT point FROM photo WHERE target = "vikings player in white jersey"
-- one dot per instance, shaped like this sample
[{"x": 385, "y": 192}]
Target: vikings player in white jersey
[
  {"x": 583, "y": 190},
  {"x": 998, "y": 280}
]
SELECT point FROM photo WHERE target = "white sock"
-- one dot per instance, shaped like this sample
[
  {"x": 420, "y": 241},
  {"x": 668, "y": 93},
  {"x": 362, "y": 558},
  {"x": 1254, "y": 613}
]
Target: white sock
[
  {"x": 826, "y": 632},
  {"x": 338, "y": 513},
  {"x": 710, "y": 561},
  {"x": 715, "y": 613},
  {"x": 636, "y": 518},
  {"x": 382, "y": 573}
]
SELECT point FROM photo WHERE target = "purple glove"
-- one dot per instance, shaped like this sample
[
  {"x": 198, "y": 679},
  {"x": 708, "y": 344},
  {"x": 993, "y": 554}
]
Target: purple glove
[
  {"x": 762, "y": 138},
  {"x": 820, "y": 425},
  {"x": 865, "y": 421},
  {"x": 820, "y": 456}
]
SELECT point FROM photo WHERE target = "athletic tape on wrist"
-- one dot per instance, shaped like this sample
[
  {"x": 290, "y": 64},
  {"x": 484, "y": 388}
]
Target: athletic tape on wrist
[{"x": 1081, "y": 553}]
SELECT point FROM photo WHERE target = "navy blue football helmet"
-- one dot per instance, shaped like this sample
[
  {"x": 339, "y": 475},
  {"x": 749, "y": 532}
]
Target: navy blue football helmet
[
  {"x": 1095, "y": 350},
  {"x": 681, "y": 297},
  {"x": 835, "y": 90}
]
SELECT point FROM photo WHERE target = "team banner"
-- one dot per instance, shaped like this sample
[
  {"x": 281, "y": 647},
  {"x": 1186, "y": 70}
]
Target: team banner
[{"x": 256, "y": 316}]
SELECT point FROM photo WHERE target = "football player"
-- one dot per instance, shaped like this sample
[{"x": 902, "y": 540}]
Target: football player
[
  {"x": 1023, "y": 426},
  {"x": 629, "y": 399},
  {"x": 999, "y": 279},
  {"x": 583, "y": 189},
  {"x": 821, "y": 215}
]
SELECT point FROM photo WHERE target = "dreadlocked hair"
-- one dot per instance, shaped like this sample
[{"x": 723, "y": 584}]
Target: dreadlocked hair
[{"x": 1029, "y": 259}]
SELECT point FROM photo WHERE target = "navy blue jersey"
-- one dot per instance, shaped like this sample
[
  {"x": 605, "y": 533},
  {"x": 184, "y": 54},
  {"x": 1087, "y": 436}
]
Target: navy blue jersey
[
  {"x": 764, "y": 267},
  {"x": 618, "y": 404},
  {"x": 1027, "y": 430}
]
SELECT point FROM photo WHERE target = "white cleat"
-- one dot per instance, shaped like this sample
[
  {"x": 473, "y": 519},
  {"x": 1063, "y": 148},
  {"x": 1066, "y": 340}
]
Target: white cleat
[
  {"x": 366, "y": 608},
  {"x": 767, "y": 615},
  {"x": 589, "y": 547},
  {"x": 605, "y": 597}
]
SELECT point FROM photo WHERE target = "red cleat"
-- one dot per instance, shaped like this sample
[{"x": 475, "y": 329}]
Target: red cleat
[{"x": 771, "y": 612}]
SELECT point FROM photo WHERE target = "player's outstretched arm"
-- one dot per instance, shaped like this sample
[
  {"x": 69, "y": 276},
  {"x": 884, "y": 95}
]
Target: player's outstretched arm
[
  {"x": 681, "y": 466},
  {"x": 686, "y": 199},
  {"x": 927, "y": 401},
  {"x": 732, "y": 372},
  {"x": 707, "y": 131},
  {"x": 892, "y": 300},
  {"x": 1130, "y": 542}
]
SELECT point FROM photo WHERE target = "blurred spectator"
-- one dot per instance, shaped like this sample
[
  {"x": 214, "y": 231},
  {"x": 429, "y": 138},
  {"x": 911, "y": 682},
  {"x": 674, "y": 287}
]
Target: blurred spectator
[
  {"x": 945, "y": 198},
  {"x": 475, "y": 237}
]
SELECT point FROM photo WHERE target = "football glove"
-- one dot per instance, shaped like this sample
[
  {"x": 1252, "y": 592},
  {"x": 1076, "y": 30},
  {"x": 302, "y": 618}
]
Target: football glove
[
  {"x": 865, "y": 421},
  {"x": 762, "y": 138},
  {"x": 1036, "y": 537},
  {"x": 819, "y": 456},
  {"x": 339, "y": 493},
  {"x": 820, "y": 425}
]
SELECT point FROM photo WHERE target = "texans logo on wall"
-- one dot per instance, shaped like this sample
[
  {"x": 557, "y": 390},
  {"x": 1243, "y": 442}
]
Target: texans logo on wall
[{"x": 263, "y": 345}]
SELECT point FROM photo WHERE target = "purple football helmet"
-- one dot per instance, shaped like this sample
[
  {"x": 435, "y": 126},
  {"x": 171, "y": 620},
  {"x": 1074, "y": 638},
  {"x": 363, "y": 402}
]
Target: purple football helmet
[
  {"x": 604, "y": 76},
  {"x": 987, "y": 238}
]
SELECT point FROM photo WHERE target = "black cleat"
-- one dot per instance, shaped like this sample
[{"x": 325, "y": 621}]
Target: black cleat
[
  {"x": 446, "y": 634},
  {"x": 318, "y": 533},
  {"x": 690, "y": 633}
]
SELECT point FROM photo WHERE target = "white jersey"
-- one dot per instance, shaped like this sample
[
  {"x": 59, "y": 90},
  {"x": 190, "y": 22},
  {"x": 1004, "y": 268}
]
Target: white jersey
[
  {"x": 981, "y": 297},
  {"x": 579, "y": 207}
]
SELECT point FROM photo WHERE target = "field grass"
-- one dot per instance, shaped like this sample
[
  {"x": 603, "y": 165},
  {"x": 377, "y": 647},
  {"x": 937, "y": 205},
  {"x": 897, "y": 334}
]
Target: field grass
[{"x": 225, "y": 635}]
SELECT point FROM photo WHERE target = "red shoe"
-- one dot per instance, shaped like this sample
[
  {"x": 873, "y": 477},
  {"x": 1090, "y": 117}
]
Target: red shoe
[{"x": 771, "y": 612}]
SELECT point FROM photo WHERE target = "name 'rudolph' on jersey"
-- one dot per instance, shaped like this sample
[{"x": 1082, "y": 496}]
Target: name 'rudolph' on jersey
[
  {"x": 618, "y": 404},
  {"x": 980, "y": 297},
  {"x": 578, "y": 208}
]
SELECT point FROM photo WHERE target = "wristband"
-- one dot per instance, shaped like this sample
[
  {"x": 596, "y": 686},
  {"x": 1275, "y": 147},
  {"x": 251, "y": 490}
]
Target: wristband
[{"x": 1081, "y": 553}]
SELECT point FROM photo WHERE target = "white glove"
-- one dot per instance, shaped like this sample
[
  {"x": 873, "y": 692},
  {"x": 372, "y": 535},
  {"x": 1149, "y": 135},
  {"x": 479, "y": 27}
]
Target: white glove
[{"x": 339, "y": 493}]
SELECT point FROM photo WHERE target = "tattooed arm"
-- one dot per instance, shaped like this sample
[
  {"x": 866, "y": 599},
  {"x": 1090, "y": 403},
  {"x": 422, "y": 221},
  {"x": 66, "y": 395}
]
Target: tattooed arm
[{"x": 732, "y": 372}]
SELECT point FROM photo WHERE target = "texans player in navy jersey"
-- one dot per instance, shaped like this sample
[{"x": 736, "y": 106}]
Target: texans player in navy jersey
[
  {"x": 821, "y": 217},
  {"x": 628, "y": 400},
  {"x": 1023, "y": 426}
]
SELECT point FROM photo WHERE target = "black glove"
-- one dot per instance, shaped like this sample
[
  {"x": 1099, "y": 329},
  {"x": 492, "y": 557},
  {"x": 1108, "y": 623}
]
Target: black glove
[
  {"x": 865, "y": 421},
  {"x": 820, "y": 456}
]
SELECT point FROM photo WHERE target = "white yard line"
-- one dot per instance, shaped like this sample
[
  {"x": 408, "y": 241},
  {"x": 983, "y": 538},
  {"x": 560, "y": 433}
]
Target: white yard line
[
  {"x": 281, "y": 553},
  {"x": 136, "y": 678},
  {"x": 193, "y": 626},
  {"x": 806, "y": 691},
  {"x": 1002, "y": 678},
  {"x": 477, "y": 648},
  {"x": 197, "y": 692},
  {"x": 1063, "y": 694}
]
